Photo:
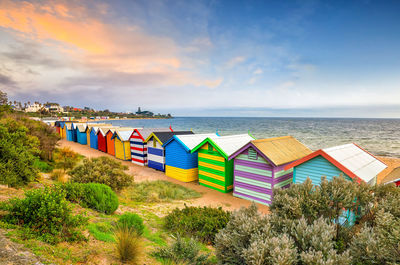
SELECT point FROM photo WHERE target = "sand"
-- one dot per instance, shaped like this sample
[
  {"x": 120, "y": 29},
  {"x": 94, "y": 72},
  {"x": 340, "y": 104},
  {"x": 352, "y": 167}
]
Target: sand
[{"x": 209, "y": 197}]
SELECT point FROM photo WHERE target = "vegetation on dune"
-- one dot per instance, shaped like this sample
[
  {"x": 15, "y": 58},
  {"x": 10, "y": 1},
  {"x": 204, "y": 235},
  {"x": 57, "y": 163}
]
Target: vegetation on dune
[
  {"x": 160, "y": 191},
  {"x": 132, "y": 221},
  {"x": 128, "y": 244},
  {"x": 65, "y": 158},
  {"x": 95, "y": 196},
  {"x": 46, "y": 213},
  {"x": 103, "y": 170},
  {"x": 182, "y": 251},
  {"x": 202, "y": 223},
  {"x": 302, "y": 227}
]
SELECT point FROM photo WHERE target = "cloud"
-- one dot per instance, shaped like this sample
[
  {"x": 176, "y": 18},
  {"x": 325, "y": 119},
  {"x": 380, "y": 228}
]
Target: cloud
[
  {"x": 235, "y": 61},
  {"x": 7, "y": 81},
  {"x": 258, "y": 71}
]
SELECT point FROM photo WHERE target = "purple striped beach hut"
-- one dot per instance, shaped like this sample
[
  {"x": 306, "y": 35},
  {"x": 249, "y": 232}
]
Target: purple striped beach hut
[{"x": 259, "y": 167}]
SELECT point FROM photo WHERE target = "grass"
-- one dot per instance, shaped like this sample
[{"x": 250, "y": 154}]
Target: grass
[
  {"x": 43, "y": 166},
  {"x": 160, "y": 191},
  {"x": 128, "y": 244},
  {"x": 102, "y": 231}
]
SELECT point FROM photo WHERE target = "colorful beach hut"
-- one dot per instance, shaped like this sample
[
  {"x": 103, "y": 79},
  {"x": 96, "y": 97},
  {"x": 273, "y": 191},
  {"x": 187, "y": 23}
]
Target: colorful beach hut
[
  {"x": 57, "y": 125},
  {"x": 155, "y": 149},
  {"x": 215, "y": 170},
  {"x": 70, "y": 132},
  {"x": 93, "y": 138},
  {"x": 138, "y": 145},
  {"x": 259, "y": 167},
  {"x": 102, "y": 138},
  {"x": 122, "y": 144},
  {"x": 180, "y": 163},
  {"x": 349, "y": 161},
  {"x": 393, "y": 177},
  {"x": 110, "y": 141},
  {"x": 81, "y": 133},
  {"x": 63, "y": 130}
]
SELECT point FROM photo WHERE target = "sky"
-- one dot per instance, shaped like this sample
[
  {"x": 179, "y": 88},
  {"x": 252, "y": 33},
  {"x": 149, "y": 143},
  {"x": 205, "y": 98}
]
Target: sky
[{"x": 205, "y": 58}]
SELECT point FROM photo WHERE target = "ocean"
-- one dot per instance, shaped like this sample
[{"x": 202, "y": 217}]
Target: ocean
[{"x": 378, "y": 136}]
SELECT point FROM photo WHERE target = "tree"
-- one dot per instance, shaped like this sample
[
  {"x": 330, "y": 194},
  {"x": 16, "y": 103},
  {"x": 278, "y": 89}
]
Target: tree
[
  {"x": 65, "y": 158},
  {"x": 3, "y": 98}
]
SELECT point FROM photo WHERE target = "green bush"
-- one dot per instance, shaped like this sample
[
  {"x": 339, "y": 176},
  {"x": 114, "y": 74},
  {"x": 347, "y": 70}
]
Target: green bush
[
  {"x": 161, "y": 191},
  {"x": 104, "y": 170},
  {"x": 47, "y": 214},
  {"x": 303, "y": 227},
  {"x": 182, "y": 251},
  {"x": 132, "y": 221},
  {"x": 43, "y": 166},
  {"x": 199, "y": 222},
  {"x": 95, "y": 196}
]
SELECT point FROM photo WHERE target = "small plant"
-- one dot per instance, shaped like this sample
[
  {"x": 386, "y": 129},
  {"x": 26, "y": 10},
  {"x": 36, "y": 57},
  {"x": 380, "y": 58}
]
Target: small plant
[
  {"x": 128, "y": 244},
  {"x": 58, "y": 175},
  {"x": 161, "y": 191},
  {"x": 65, "y": 158},
  {"x": 47, "y": 214},
  {"x": 102, "y": 170},
  {"x": 102, "y": 231},
  {"x": 182, "y": 251},
  {"x": 96, "y": 196},
  {"x": 132, "y": 221},
  {"x": 199, "y": 222},
  {"x": 43, "y": 166}
]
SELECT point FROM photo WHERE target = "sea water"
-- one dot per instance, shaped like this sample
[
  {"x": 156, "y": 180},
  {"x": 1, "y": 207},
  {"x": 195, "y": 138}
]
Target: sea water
[{"x": 378, "y": 136}]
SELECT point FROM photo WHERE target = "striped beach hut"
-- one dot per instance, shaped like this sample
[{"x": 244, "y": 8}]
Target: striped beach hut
[
  {"x": 102, "y": 138},
  {"x": 259, "y": 167},
  {"x": 349, "y": 160},
  {"x": 138, "y": 145},
  {"x": 122, "y": 143},
  {"x": 215, "y": 170},
  {"x": 155, "y": 149},
  {"x": 180, "y": 163},
  {"x": 81, "y": 133}
]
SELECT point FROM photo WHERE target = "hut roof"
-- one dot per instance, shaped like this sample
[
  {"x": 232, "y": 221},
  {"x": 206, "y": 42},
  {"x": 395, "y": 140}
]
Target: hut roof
[
  {"x": 281, "y": 150},
  {"x": 145, "y": 132},
  {"x": 103, "y": 130},
  {"x": 227, "y": 145},
  {"x": 123, "y": 134},
  {"x": 163, "y": 137},
  {"x": 82, "y": 127},
  {"x": 190, "y": 141},
  {"x": 354, "y": 161},
  {"x": 393, "y": 176}
]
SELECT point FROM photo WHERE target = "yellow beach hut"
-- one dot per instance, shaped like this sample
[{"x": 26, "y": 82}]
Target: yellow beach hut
[{"x": 122, "y": 143}]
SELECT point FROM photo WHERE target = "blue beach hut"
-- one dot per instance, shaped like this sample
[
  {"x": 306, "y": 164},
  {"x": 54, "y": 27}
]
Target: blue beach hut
[
  {"x": 69, "y": 132},
  {"x": 81, "y": 133},
  {"x": 180, "y": 163}
]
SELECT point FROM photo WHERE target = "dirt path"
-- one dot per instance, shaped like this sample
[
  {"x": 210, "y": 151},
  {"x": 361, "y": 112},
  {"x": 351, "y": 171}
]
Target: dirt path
[{"x": 210, "y": 197}]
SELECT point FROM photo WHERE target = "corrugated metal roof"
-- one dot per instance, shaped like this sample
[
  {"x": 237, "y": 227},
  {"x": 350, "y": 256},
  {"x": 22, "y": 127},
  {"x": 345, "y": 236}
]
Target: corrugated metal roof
[
  {"x": 232, "y": 143},
  {"x": 82, "y": 127},
  {"x": 191, "y": 141},
  {"x": 360, "y": 162},
  {"x": 165, "y": 136},
  {"x": 282, "y": 150},
  {"x": 392, "y": 176},
  {"x": 104, "y": 130},
  {"x": 145, "y": 132},
  {"x": 124, "y": 134}
]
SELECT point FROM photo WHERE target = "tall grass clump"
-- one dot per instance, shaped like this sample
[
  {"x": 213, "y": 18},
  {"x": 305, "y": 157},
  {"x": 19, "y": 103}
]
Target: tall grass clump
[
  {"x": 182, "y": 251},
  {"x": 128, "y": 244},
  {"x": 161, "y": 191}
]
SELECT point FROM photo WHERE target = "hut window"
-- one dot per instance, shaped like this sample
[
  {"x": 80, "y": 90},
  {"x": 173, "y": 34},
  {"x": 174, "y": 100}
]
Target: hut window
[
  {"x": 154, "y": 143},
  {"x": 210, "y": 148},
  {"x": 252, "y": 154}
]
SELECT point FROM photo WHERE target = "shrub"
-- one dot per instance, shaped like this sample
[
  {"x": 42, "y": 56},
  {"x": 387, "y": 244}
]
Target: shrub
[
  {"x": 182, "y": 251},
  {"x": 128, "y": 244},
  {"x": 103, "y": 170},
  {"x": 161, "y": 191},
  {"x": 96, "y": 196},
  {"x": 200, "y": 222},
  {"x": 65, "y": 158},
  {"x": 132, "y": 221},
  {"x": 303, "y": 227},
  {"x": 58, "y": 175},
  {"x": 47, "y": 213},
  {"x": 43, "y": 166}
]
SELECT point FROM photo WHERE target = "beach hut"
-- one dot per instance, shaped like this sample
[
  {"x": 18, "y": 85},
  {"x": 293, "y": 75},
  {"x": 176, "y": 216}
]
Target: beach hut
[
  {"x": 180, "y": 163},
  {"x": 89, "y": 129},
  {"x": 215, "y": 170},
  {"x": 70, "y": 132},
  {"x": 102, "y": 138},
  {"x": 393, "y": 177},
  {"x": 155, "y": 150},
  {"x": 138, "y": 145},
  {"x": 349, "y": 161},
  {"x": 110, "y": 141},
  {"x": 63, "y": 134},
  {"x": 259, "y": 167},
  {"x": 81, "y": 133},
  {"x": 122, "y": 143},
  {"x": 57, "y": 125}
]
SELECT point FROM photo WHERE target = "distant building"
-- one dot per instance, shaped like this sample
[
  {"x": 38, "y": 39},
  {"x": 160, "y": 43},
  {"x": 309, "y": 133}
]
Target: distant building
[
  {"x": 33, "y": 107},
  {"x": 144, "y": 113},
  {"x": 54, "y": 108}
]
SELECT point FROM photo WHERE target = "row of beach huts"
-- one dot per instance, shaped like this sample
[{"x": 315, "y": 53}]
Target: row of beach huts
[{"x": 249, "y": 167}]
